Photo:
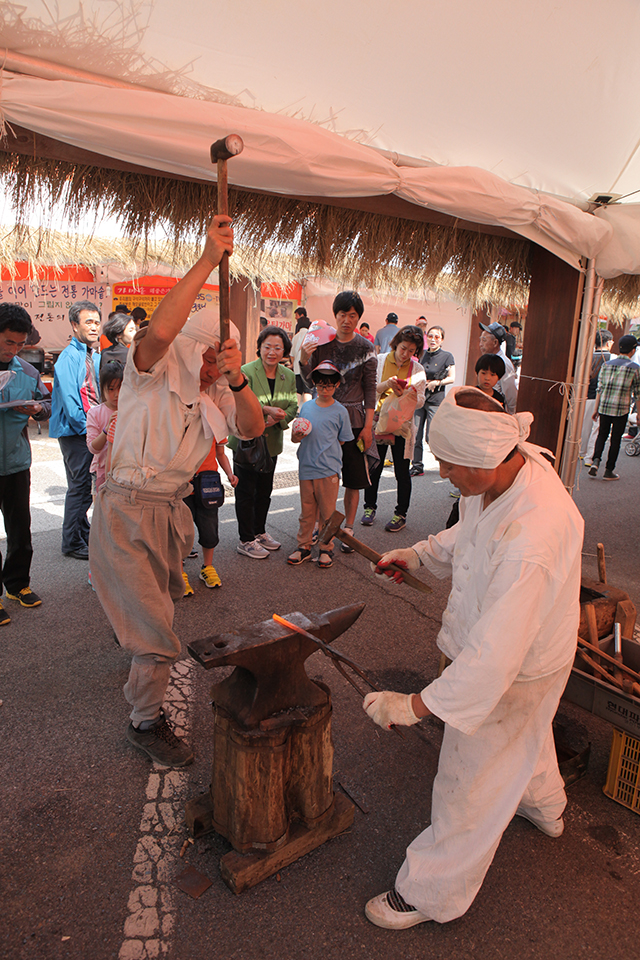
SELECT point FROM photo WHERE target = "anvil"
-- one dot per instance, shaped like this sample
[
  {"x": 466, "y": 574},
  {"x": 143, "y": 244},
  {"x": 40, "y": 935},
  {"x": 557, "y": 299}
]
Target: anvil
[{"x": 270, "y": 676}]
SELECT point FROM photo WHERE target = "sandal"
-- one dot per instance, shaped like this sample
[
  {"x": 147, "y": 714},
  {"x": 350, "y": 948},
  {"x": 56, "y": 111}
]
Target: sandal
[
  {"x": 299, "y": 556},
  {"x": 345, "y": 546},
  {"x": 325, "y": 558}
]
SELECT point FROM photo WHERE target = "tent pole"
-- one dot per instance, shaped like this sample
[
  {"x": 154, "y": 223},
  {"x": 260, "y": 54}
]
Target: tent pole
[{"x": 586, "y": 343}]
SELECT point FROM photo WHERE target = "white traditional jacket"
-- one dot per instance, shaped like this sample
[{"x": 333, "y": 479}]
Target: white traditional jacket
[{"x": 513, "y": 610}]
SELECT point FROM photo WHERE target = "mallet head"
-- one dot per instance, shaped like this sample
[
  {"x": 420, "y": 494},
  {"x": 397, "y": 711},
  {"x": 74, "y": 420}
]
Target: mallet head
[{"x": 226, "y": 148}]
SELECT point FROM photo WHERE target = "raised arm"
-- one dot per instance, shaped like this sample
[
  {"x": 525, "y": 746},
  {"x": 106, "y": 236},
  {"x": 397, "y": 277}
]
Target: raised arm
[{"x": 173, "y": 311}]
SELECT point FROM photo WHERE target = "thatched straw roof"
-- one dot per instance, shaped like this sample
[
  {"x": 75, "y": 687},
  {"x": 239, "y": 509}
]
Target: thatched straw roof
[{"x": 280, "y": 238}]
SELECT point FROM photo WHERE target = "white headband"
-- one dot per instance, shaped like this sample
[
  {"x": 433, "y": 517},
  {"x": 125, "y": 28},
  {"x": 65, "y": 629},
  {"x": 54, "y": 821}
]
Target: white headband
[
  {"x": 204, "y": 326},
  {"x": 477, "y": 438}
]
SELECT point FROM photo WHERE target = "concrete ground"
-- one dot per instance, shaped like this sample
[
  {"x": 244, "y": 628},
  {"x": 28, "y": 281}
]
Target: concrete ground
[{"x": 91, "y": 832}]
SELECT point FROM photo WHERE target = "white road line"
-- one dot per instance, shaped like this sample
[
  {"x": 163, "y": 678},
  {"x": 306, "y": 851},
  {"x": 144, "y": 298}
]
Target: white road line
[{"x": 149, "y": 926}]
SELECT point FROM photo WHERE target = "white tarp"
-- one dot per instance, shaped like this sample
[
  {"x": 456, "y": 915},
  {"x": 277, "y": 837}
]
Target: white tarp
[
  {"x": 285, "y": 156},
  {"x": 504, "y": 99}
]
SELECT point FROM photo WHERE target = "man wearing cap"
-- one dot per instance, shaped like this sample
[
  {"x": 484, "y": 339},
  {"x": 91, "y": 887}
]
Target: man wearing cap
[
  {"x": 510, "y": 631},
  {"x": 355, "y": 359},
  {"x": 183, "y": 390},
  {"x": 618, "y": 381},
  {"x": 492, "y": 339},
  {"x": 384, "y": 337}
]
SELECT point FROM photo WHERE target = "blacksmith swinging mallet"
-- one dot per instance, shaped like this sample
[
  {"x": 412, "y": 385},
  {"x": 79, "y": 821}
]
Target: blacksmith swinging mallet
[
  {"x": 221, "y": 151},
  {"x": 332, "y": 529}
]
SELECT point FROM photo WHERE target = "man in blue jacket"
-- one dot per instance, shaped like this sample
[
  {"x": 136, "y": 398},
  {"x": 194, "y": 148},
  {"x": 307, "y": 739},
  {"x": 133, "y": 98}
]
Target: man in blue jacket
[
  {"x": 75, "y": 391},
  {"x": 19, "y": 381}
]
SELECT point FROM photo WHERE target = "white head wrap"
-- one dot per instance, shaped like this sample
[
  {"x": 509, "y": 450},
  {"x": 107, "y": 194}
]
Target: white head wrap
[
  {"x": 476, "y": 438},
  {"x": 201, "y": 331}
]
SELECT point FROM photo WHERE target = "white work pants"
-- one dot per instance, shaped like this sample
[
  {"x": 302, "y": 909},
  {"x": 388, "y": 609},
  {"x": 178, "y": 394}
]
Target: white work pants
[{"x": 481, "y": 780}]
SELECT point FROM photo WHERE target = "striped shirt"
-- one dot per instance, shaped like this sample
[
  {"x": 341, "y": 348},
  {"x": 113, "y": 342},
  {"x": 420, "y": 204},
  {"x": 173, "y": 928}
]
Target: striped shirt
[{"x": 617, "y": 380}]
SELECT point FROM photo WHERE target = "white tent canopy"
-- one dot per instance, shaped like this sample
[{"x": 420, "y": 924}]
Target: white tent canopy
[{"x": 513, "y": 114}]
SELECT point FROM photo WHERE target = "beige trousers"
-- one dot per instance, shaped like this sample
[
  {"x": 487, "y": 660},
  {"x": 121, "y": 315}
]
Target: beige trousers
[
  {"x": 136, "y": 546},
  {"x": 481, "y": 781},
  {"x": 316, "y": 496}
]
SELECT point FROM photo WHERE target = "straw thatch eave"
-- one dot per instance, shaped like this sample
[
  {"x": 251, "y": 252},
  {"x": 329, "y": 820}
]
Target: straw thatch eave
[
  {"x": 281, "y": 238},
  {"x": 356, "y": 248}
]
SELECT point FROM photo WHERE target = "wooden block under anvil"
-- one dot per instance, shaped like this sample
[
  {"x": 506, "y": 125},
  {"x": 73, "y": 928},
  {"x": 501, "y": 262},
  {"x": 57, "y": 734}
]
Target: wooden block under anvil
[{"x": 271, "y": 792}]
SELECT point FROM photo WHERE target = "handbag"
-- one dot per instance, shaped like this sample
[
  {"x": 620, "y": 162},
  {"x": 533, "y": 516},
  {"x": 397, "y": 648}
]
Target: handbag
[
  {"x": 209, "y": 490},
  {"x": 254, "y": 455},
  {"x": 395, "y": 413}
]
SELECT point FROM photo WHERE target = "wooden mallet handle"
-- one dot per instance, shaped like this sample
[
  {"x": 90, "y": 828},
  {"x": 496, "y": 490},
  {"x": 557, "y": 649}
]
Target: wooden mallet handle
[
  {"x": 332, "y": 529},
  {"x": 221, "y": 151}
]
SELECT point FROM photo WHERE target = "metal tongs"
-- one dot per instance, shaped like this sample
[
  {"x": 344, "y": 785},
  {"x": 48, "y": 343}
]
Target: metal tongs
[{"x": 338, "y": 660}]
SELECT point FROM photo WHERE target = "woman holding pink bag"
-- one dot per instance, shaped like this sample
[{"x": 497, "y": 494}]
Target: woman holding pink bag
[{"x": 401, "y": 389}]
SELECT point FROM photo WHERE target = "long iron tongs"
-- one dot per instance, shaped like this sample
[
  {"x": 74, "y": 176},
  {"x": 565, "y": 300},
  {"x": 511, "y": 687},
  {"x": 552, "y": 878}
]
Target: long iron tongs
[{"x": 337, "y": 658}]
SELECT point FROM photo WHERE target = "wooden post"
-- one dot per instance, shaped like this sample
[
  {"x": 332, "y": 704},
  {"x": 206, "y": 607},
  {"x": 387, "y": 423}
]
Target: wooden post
[
  {"x": 548, "y": 352},
  {"x": 245, "y": 313}
]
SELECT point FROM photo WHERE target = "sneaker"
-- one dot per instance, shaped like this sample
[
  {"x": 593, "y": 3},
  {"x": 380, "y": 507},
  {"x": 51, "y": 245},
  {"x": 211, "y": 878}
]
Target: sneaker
[
  {"x": 593, "y": 472},
  {"x": 4, "y": 616},
  {"x": 161, "y": 744},
  {"x": 391, "y": 911},
  {"x": 368, "y": 517},
  {"x": 209, "y": 575},
  {"x": 416, "y": 471},
  {"x": 188, "y": 589},
  {"x": 28, "y": 598},
  {"x": 551, "y": 828},
  {"x": 299, "y": 556},
  {"x": 192, "y": 556},
  {"x": 266, "y": 540},
  {"x": 607, "y": 475},
  {"x": 388, "y": 463},
  {"x": 396, "y": 523},
  {"x": 251, "y": 548}
]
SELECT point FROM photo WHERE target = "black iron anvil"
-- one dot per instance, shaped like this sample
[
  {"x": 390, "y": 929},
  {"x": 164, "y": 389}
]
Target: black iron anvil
[{"x": 270, "y": 676}]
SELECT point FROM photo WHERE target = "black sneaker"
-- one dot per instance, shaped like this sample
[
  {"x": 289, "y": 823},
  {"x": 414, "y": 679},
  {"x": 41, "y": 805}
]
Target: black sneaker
[
  {"x": 608, "y": 475},
  {"x": 416, "y": 470},
  {"x": 161, "y": 744},
  {"x": 593, "y": 472},
  {"x": 26, "y": 597},
  {"x": 4, "y": 616}
]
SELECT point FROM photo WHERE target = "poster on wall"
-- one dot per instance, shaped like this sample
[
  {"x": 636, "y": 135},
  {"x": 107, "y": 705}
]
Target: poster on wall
[
  {"x": 147, "y": 292},
  {"x": 278, "y": 304},
  {"x": 47, "y": 302}
]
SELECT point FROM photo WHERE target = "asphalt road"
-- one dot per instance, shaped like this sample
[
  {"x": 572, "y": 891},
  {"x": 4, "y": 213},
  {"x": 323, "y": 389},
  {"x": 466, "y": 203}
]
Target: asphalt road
[{"x": 91, "y": 832}]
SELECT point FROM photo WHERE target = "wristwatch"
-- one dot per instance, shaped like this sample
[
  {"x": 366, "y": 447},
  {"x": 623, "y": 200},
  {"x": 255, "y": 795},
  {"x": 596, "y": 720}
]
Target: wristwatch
[{"x": 241, "y": 387}]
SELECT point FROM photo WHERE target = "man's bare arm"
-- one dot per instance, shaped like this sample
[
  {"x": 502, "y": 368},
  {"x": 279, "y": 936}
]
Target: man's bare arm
[
  {"x": 173, "y": 311},
  {"x": 249, "y": 416}
]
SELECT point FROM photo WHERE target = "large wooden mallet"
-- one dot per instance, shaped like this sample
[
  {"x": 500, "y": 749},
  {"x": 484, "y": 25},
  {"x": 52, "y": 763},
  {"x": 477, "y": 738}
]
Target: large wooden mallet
[
  {"x": 221, "y": 151},
  {"x": 332, "y": 529}
]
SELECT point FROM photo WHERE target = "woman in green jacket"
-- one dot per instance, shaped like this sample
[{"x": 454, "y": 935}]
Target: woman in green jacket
[{"x": 275, "y": 387}]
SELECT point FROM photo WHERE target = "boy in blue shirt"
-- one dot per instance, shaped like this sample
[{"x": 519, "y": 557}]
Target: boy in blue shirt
[{"x": 320, "y": 460}]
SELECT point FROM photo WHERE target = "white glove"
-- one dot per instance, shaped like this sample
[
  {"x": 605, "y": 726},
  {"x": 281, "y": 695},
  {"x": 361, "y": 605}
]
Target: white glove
[
  {"x": 404, "y": 558},
  {"x": 386, "y": 708}
]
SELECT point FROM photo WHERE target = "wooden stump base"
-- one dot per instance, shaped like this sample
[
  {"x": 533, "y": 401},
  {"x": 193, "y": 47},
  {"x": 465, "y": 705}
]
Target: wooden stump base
[{"x": 240, "y": 871}]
